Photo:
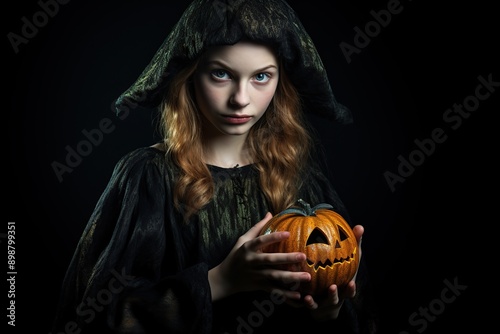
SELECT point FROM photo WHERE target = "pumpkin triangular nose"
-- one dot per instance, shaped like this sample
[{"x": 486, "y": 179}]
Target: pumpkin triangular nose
[{"x": 337, "y": 245}]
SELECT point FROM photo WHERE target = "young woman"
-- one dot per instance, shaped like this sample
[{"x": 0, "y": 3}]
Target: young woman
[{"x": 173, "y": 245}]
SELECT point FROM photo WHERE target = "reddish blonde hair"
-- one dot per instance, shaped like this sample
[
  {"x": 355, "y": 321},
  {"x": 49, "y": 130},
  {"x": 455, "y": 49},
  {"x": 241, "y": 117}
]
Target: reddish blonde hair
[{"x": 279, "y": 144}]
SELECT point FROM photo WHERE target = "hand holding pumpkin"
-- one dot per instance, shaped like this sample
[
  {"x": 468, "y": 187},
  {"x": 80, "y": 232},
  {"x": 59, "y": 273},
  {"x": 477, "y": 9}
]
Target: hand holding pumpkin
[
  {"x": 247, "y": 268},
  {"x": 333, "y": 252}
]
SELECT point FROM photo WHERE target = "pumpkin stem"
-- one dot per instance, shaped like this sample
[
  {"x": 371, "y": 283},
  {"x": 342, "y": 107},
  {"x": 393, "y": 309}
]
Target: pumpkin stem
[{"x": 306, "y": 209}]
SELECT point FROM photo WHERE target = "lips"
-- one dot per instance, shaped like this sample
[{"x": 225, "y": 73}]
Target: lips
[{"x": 237, "y": 119}]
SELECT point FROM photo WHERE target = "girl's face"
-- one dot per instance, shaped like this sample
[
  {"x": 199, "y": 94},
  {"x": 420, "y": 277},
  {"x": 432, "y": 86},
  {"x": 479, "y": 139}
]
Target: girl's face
[{"x": 234, "y": 85}]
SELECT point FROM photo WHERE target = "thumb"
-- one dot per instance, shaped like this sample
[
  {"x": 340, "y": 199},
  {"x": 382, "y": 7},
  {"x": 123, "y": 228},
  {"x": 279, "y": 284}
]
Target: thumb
[
  {"x": 254, "y": 231},
  {"x": 359, "y": 230}
]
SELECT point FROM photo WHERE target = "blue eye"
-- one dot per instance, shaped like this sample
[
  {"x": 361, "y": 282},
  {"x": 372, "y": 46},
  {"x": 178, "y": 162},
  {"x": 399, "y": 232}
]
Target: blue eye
[
  {"x": 262, "y": 77},
  {"x": 220, "y": 74}
]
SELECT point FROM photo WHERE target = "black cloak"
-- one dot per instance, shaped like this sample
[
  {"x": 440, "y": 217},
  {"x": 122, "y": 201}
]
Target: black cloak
[{"x": 139, "y": 269}]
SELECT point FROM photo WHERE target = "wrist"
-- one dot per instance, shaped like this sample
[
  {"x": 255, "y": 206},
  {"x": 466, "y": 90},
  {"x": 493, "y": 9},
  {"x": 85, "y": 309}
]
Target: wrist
[{"x": 217, "y": 285}]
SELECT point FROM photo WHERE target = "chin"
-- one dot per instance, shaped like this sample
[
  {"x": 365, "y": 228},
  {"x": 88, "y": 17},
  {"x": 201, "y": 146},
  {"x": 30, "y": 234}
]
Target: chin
[{"x": 235, "y": 130}]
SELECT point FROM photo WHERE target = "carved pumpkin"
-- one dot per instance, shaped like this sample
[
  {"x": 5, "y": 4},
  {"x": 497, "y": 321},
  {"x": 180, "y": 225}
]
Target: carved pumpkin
[{"x": 327, "y": 240}]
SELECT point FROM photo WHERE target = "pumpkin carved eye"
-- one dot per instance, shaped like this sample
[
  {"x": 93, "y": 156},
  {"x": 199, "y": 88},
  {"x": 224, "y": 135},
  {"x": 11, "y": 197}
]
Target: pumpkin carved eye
[
  {"x": 317, "y": 237},
  {"x": 342, "y": 233}
]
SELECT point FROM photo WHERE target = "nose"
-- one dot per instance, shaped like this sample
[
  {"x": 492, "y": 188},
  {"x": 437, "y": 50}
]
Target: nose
[{"x": 239, "y": 97}]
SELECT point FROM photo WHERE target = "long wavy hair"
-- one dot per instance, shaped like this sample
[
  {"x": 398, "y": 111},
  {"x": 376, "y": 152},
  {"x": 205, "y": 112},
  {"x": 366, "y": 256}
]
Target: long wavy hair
[{"x": 279, "y": 144}]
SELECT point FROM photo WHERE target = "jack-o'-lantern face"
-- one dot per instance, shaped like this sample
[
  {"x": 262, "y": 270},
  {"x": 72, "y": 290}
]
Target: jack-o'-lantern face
[{"x": 328, "y": 241}]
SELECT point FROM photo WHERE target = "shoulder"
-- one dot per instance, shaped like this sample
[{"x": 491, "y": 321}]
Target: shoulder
[{"x": 150, "y": 159}]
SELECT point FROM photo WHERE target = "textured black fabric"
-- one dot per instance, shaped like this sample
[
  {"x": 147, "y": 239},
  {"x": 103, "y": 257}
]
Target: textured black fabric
[
  {"x": 207, "y": 23},
  {"x": 139, "y": 269}
]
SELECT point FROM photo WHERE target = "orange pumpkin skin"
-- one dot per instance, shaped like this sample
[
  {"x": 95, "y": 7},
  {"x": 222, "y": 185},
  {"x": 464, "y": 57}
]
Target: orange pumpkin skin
[{"x": 327, "y": 240}]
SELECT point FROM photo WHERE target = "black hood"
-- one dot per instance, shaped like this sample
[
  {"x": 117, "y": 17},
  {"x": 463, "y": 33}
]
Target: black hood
[{"x": 207, "y": 23}]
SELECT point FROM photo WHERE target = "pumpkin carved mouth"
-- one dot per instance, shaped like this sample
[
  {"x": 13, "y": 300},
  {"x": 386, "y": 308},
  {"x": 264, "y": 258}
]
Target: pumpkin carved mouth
[
  {"x": 319, "y": 264},
  {"x": 328, "y": 263}
]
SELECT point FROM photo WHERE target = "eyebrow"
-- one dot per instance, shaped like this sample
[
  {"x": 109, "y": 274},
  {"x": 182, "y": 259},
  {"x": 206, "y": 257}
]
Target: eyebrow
[{"x": 222, "y": 64}]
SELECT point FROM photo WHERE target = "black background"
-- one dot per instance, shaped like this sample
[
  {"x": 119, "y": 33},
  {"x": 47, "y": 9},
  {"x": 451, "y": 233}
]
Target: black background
[{"x": 433, "y": 227}]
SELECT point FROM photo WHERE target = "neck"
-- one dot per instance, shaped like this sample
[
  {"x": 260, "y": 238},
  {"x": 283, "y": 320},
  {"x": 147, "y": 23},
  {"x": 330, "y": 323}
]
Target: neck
[{"x": 226, "y": 151}]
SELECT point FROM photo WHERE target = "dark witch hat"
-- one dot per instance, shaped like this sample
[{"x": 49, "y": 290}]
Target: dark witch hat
[{"x": 207, "y": 23}]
